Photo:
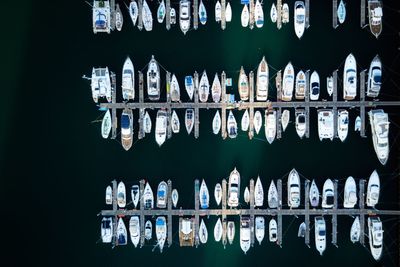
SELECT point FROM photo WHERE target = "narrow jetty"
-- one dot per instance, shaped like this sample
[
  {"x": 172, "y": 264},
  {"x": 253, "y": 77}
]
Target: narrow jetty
[
  {"x": 307, "y": 6},
  {"x": 168, "y": 14},
  {"x": 279, "y": 14},
  {"x": 195, "y": 14},
  {"x": 113, "y": 110},
  {"x": 251, "y": 13},
  {"x": 334, "y": 14},
  {"x": 141, "y": 133},
  {"x": 223, "y": 17},
  {"x": 140, "y": 19},
  {"x": 251, "y": 100},
  {"x": 363, "y": 8}
]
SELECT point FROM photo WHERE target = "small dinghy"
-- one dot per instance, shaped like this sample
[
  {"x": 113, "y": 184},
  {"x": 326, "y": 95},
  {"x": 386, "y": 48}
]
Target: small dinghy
[
  {"x": 175, "y": 197},
  {"x": 273, "y": 231},
  {"x": 106, "y": 125},
  {"x": 272, "y": 196},
  {"x": 133, "y": 12},
  {"x": 273, "y": 13},
  {"x": 285, "y": 13},
  {"x": 189, "y": 120},
  {"x": 341, "y": 12},
  {"x": 216, "y": 89},
  {"x": 175, "y": 125},
  {"x": 314, "y": 194},
  {"x": 355, "y": 230},
  {"x": 148, "y": 230},
  {"x": 245, "y": 16},
  {"x": 216, "y": 124},
  {"x": 108, "y": 195},
  {"x": 246, "y": 195},
  {"x": 218, "y": 193},
  {"x": 257, "y": 121},
  {"x": 228, "y": 13},
  {"x": 135, "y": 195},
  {"x": 202, "y": 13},
  {"x": 357, "y": 124},
  {"x": 119, "y": 19},
  {"x": 161, "y": 12},
  {"x": 147, "y": 123},
  {"x": 189, "y": 86},
  {"x": 260, "y": 229},
  {"x": 302, "y": 230},
  {"x": 218, "y": 11},
  {"x": 218, "y": 230},
  {"x": 203, "y": 233},
  {"x": 285, "y": 119},
  {"x": 245, "y": 121},
  {"x": 231, "y": 231}
]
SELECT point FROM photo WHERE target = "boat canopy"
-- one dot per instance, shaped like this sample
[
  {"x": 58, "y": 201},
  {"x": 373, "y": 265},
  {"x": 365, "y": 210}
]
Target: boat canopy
[{"x": 125, "y": 122}]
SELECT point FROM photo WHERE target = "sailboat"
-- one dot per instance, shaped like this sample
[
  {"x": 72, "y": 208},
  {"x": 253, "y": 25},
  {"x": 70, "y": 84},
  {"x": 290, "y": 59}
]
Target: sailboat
[
  {"x": 260, "y": 228},
  {"x": 175, "y": 197},
  {"x": 147, "y": 17},
  {"x": 175, "y": 91},
  {"x": 299, "y": 18},
  {"x": 218, "y": 193},
  {"x": 119, "y": 19},
  {"x": 218, "y": 230},
  {"x": 350, "y": 78},
  {"x": 245, "y": 16},
  {"x": 228, "y": 12},
  {"x": 161, "y": 127},
  {"x": 341, "y": 12},
  {"x": 122, "y": 234},
  {"x": 161, "y": 232},
  {"x": 288, "y": 82},
  {"x": 216, "y": 124},
  {"x": 262, "y": 80},
  {"x": 153, "y": 80},
  {"x": 272, "y": 196},
  {"x": 189, "y": 120},
  {"x": 128, "y": 80},
  {"x": 231, "y": 231},
  {"x": 257, "y": 121},
  {"x": 202, "y": 13},
  {"x": 106, "y": 125},
  {"x": 135, "y": 194},
  {"x": 134, "y": 230},
  {"x": 204, "y": 88},
  {"x": 189, "y": 86},
  {"x": 270, "y": 125},
  {"x": 245, "y": 121},
  {"x": 218, "y": 11},
  {"x": 314, "y": 194},
  {"x": 243, "y": 85},
  {"x": 216, "y": 89},
  {"x": 350, "y": 193},
  {"x": 203, "y": 233},
  {"x": 355, "y": 230},
  {"x": 133, "y": 11},
  {"x": 300, "y": 87},
  {"x": 184, "y": 15},
  {"x": 147, "y": 123},
  {"x": 126, "y": 128},
  {"x": 273, "y": 13},
  {"x": 175, "y": 125},
  {"x": 204, "y": 196},
  {"x": 259, "y": 14},
  {"x": 285, "y": 118},
  {"x": 161, "y": 12},
  {"x": 231, "y": 125},
  {"x": 258, "y": 193}
]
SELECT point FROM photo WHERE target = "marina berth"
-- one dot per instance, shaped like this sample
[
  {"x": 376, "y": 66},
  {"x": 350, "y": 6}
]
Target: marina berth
[
  {"x": 203, "y": 233},
  {"x": 202, "y": 13},
  {"x": 148, "y": 230},
  {"x": 106, "y": 229},
  {"x": 148, "y": 197},
  {"x": 259, "y": 14},
  {"x": 259, "y": 193},
  {"x": 218, "y": 230},
  {"x": 216, "y": 89},
  {"x": 341, "y": 12},
  {"x": 109, "y": 195},
  {"x": 272, "y": 196},
  {"x": 245, "y": 16},
  {"x": 162, "y": 192},
  {"x": 231, "y": 232},
  {"x": 119, "y": 19},
  {"x": 189, "y": 120},
  {"x": 234, "y": 189},
  {"x": 231, "y": 126},
  {"x": 135, "y": 195},
  {"x": 375, "y": 236},
  {"x": 153, "y": 80},
  {"x": 161, "y": 12},
  {"x": 320, "y": 234},
  {"x": 373, "y": 189},
  {"x": 134, "y": 230},
  {"x": 147, "y": 17},
  {"x": 216, "y": 124},
  {"x": 293, "y": 189},
  {"x": 133, "y": 12},
  {"x": 355, "y": 230},
  {"x": 314, "y": 194},
  {"x": 161, "y": 127},
  {"x": 350, "y": 193},
  {"x": 257, "y": 121},
  {"x": 245, "y": 233},
  {"x": 325, "y": 124},
  {"x": 270, "y": 125},
  {"x": 273, "y": 230},
  {"x": 161, "y": 232},
  {"x": 328, "y": 194},
  {"x": 343, "y": 124},
  {"x": 243, "y": 85},
  {"x": 245, "y": 121},
  {"x": 260, "y": 228},
  {"x": 175, "y": 124},
  {"x": 121, "y": 195},
  {"x": 175, "y": 91},
  {"x": 128, "y": 80},
  {"x": 314, "y": 86},
  {"x": 262, "y": 81},
  {"x": 204, "y": 87},
  {"x": 300, "y": 89},
  {"x": 126, "y": 129},
  {"x": 350, "y": 78}
]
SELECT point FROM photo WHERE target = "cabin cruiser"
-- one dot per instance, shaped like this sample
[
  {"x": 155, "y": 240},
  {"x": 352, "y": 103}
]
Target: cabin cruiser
[
  {"x": 300, "y": 122},
  {"x": 320, "y": 234},
  {"x": 285, "y": 118},
  {"x": 380, "y": 133},
  {"x": 373, "y": 189},
  {"x": 189, "y": 86},
  {"x": 184, "y": 15},
  {"x": 299, "y": 18},
  {"x": 343, "y": 124},
  {"x": 231, "y": 231},
  {"x": 122, "y": 234},
  {"x": 133, "y": 12},
  {"x": 375, "y": 14},
  {"x": 121, "y": 195},
  {"x": 161, "y": 127},
  {"x": 375, "y": 236},
  {"x": 106, "y": 125},
  {"x": 128, "y": 80},
  {"x": 325, "y": 124},
  {"x": 174, "y": 90},
  {"x": 350, "y": 193},
  {"x": 262, "y": 81},
  {"x": 314, "y": 194},
  {"x": 101, "y": 16},
  {"x": 300, "y": 88},
  {"x": 109, "y": 195},
  {"x": 175, "y": 197},
  {"x": 162, "y": 194},
  {"x": 216, "y": 124},
  {"x": 231, "y": 125},
  {"x": 218, "y": 230},
  {"x": 272, "y": 196},
  {"x": 148, "y": 198},
  {"x": 243, "y": 85},
  {"x": 257, "y": 121},
  {"x": 374, "y": 77},
  {"x": 270, "y": 125},
  {"x": 161, "y": 231},
  {"x": 186, "y": 232},
  {"x": 328, "y": 194},
  {"x": 153, "y": 80},
  {"x": 341, "y": 12},
  {"x": 135, "y": 194},
  {"x": 245, "y": 121},
  {"x": 258, "y": 14},
  {"x": 204, "y": 88},
  {"x": 175, "y": 124},
  {"x": 161, "y": 12},
  {"x": 273, "y": 230},
  {"x": 260, "y": 228},
  {"x": 202, "y": 13},
  {"x": 293, "y": 189},
  {"x": 203, "y": 233},
  {"x": 148, "y": 230},
  {"x": 218, "y": 11},
  {"x": 216, "y": 89},
  {"x": 204, "y": 196},
  {"x": 273, "y": 13},
  {"x": 288, "y": 83},
  {"x": 350, "y": 78},
  {"x": 355, "y": 230},
  {"x": 234, "y": 189},
  {"x": 147, "y": 17},
  {"x": 245, "y": 233},
  {"x": 100, "y": 84},
  {"x": 189, "y": 120},
  {"x": 258, "y": 193},
  {"x": 245, "y": 16},
  {"x": 126, "y": 128},
  {"x": 314, "y": 86},
  {"x": 134, "y": 230},
  {"x": 218, "y": 193},
  {"x": 106, "y": 229}
]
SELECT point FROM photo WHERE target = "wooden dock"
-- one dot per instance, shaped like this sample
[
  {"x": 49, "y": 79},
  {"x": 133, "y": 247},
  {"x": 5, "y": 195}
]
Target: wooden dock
[
  {"x": 169, "y": 218},
  {"x": 114, "y": 120},
  {"x": 252, "y": 212},
  {"x": 223, "y": 17},
  {"x": 307, "y": 99},
  {"x": 168, "y": 108},
  {"x": 307, "y": 6},
  {"x": 142, "y": 219},
  {"x": 278, "y": 85},
  {"x": 334, "y": 109},
  {"x": 140, "y": 19},
  {"x": 167, "y": 14},
  {"x": 334, "y": 216},
  {"x": 279, "y": 14},
  {"x": 196, "y": 109},
  {"x": 141, "y": 133},
  {"x": 224, "y": 220},
  {"x": 362, "y": 99},
  {"x": 251, "y": 109},
  {"x": 361, "y": 207},
  {"x": 251, "y": 13},
  {"x": 224, "y": 134},
  {"x": 334, "y": 14},
  {"x": 363, "y": 8},
  {"x": 307, "y": 216},
  {"x": 195, "y": 14},
  {"x": 112, "y": 14}
]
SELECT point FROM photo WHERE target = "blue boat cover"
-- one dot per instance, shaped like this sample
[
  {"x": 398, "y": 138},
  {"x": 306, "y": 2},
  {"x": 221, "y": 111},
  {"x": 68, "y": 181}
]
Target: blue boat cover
[{"x": 125, "y": 121}]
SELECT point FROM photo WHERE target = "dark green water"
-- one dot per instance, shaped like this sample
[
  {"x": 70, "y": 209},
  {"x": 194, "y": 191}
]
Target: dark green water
[{"x": 55, "y": 165}]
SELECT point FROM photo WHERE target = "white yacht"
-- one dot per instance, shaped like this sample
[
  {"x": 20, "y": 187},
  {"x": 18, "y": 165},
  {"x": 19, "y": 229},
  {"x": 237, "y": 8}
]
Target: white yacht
[
  {"x": 231, "y": 125},
  {"x": 350, "y": 78},
  {"x": 270, "y": 125},
  {"x": 355, "y": 230},
  {"x": 162, "y": 194},
  {"x": 325, "y": 124},
  {"x": 147, "y": 17},
  {"x": 218, "y": 193},
  {"x": 357, "y": 124},
  {"x": 231, "y": 231},
  {"x": 243, "y": 85},
  {"x": 228, "y": 12},
  {"x": 134, "y": 230},
  {"x": 216, "y": 124},
  {"x": 218, "y": 230},
  {"x": 380, "y": 133},
  {"x": 300, "y": 87},
  {"x": 245, "y": 121},
  {"x": 218, "y": 11},
  {"x": 375, "y": 236},
  {"x": 258, "y": 193},
  {"x": 148, "y": 197},
  {"x": 260, "y": 228},
  {"x": 343, "y": 124},
  {"x": 258, "y": 14},
  {"x": 300, "y": 122},
  {"x": 314, "y": 86},
  {"x": 109, "y": 195},
  {"x": 350, "y": 193},
  {"x": 148, "y": 230},
  {"x": 262, "y": 81},
  {"x": 373, "y": 189},
  {"x": 285, "y": 13},
  {"x": 175, "y": 197},
  {"x": 293, "y": 189},
  {"x": 135, "y": 194},
  {"x": 121, "y": 195},
  {"x": 204, "y": 196},
  {"x": 288, "y": 83},
  {"x": 299, "y": 18},
  {"x": 204, "y": 88},
  {"x": 147, "y": 123},
  {"x": 174, "y": 90},
  {"x": 161, "y": 232},
  {"x": 161, "y": 12},
  {"x": 257, "y": 121},
  {"x": 175, "y": 124},
  {"x": 106, "y": 125},
  {"x": 189, "y": 86},
  {"x": 161, "y": 127},
  {"x": 273, "y": 13},
  {"x": 101, "y": 16},
  {"x": 245, "y": 16},
  {"x": 133, "y": 11},
  {"x": 184, "y": 15},
  {"x": 374, "y": 77},
  {"x": 234, "y": 189},
  {"x": 320, "y": 234},
  {"x": 245, "y": 233},
  {"x": 100, "y": 84},
  {"x": 106, "y": 229},
  {"x": 272, "y": 196},
  {"x": 203, "y": 233},
  {"x": 341, "y": 12},
  {"x": 375, "y": 14},
  {"x": 128, "y": 80},
  {"x": 328, "y": 194},
  {"x": 189, "y": 120},
  {"x": 126, "y": 128},
  {"x": 216, "y": 89},
  {"x": 119, "y": 19},
  {"x": 314, "y": 194},
  {"x": 246, "y": 195},
  {"x": 202, "y": 13},
  {"x": 329, "y": 85},
  {"x": 122, "y": 234},
  {"x": 285, "y": 118},
  {"x": 273, "y": 230},
  {"x": 153, "y": 80}
]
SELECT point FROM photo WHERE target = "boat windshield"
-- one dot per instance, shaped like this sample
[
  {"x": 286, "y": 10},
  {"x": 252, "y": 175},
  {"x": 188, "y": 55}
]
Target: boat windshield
[
  {"x": 302, "y": 119},
  {"x": 101, "y": 20}
]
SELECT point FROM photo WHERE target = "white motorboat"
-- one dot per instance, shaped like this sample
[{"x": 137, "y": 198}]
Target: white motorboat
[
  {"x": 380, "y": 133},
  {"x": 314, "y": 194},
  {"x": 270, "y": 125},
  {"x": 106, "y": 125},
  {"x": 262, "y": 81},
  {"x": 231, "y": 231},
  {"x": 245, "y": 16},
  {"x": 161, "y": 127},
  {"x": 246, "y": 195},
  {"x": 148, "y": 230},
  {"x": 204, "y": 196},
  {"x": 374, "y": 77},
  {"x": 162, "y": 194},
  {"x": 133, "y": 11},
  {"x": 203, "y": 233},
  {"x": 329, "y": 85},
  {"x": 300, "y": 87},
  {"x": 302, "y": 230},
  {"x": 147, "y": 123},
  {"x": 373, "y": 189},
  {"x": 189, "y": 86},
  {"x": 355, "y": 230},
  {"x": 260, "y": 228},
  {"x": 293, "y": 189},
  {"x": 204, "y": 88},
  {"x": 231, "y": 125},
  {"x": 128, "y": 80},
  {"x": 174, "y": 90},
  {"x": 258, "y": 14},
  {"x": 343, "y": 124},
  {"x": 375, "y": 14},
  {"x": 202, "y": 13},
  {"x": 175, "y": 124},
  {"x": 245, "y": 121},
  {"x": 285, "y": 118},
  {"x": 320, "y": 234},
  {"x": 300, "y": 122},
  {"x": 148, "y": 197},
  {"x": 134, "y": 230},
  {"x": 119, "y": 19},
  {"x": 288, "y": 83},
  {"x": 122, "y": 234},
  {"x": 100, "y": 84},
  {"x": 314, "y": 86},
  {"x": 161, "y": 12},
  {"x": 126, "y": 128},
  {"x": 174, "y": 197},
  {"x": 216, "y": 89},
  {"x": 108, "y": 195},
  {"x": 147, "y": 17},
  {"x": 350, "y": 193},
  {"x": 216, "y": 124},
  {"x": 218, "y": 11},
  {"x": 375, "y": 236},
  {"x": 189, "y": 120},
  {"x": 325, "y": 124},
  {"x": 106, "y": 229},
  {"x": 257, "y": 121},
  {"x": 341, "y": 12},
  {"x": 285, "y": 13},
  {"x": 135, "y": 194},
  {"x": 350, "y": 78},
  {"x": 357, "y": 124},
  {"x": 121, "y": 195},
  {"x": 218, "y": 193},
  {"x": 258, "y": 193},
  {"x": 272, "y": 196},
  {"x": 234, "y": 189},
  {"x": 273, "y": 231},
  {"x": 161, "y": 232},
  {"x": 218, "y": 230},
  {"x": 153, "y": 80},
  {"x": 172, "y": 14},
  {"x": 243, "y": 85},
  {"x": 228, "y": 12},
  {"x": 328, "y": 194},
  {"x": 101, "y": 16},
  {"x": 245, "y": 233},
  {"x": 184, "y": 15},
  {"x": 273, "y": 13},
  {"x": 299, "y": 18}
]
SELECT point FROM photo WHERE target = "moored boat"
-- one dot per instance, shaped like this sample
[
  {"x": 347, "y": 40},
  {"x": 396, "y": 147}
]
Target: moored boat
[
  {"x": 262, "y": 81},
  {"x": 175, "y": 197},
  {"x": 100, "y": 84},
  {"x": 373, "y": 190},
  {"x": 245, "y": 121},
  {"x": 302, "y": 230},
  {"x": 246, "y": 195},
  {"x": 218, "y": 11},
  {"x": 258, "y": 14},
  {"x": 350, "y": 78},
  {"x": 218, "y": 230},
  {"x": 380, "y": 133},
  {"x": 119, "y": 19},
  {"x": 300, "y": 122},
  {"x": 293, "y": 189},
  {"x": 204, "y": 196},
  {"x": 161, "y": 127},
  {"x": 285, "y": 13},
  {"x": 375, "y": 14},
  {"x": 216, "y": 124},
  {"x": 202, "y": 13},
  {"x": 234, "y": 188},
  {"x": 122, "y": 234},
  {"x": 300, "y": 87},
  {"x": 161, "y": 12},
  {"x": 272, "y": 196},
  {"x": 375, "y": 236},
  {"x": 260, "y": 228},
  {"x": 374, "y": 77},
  {"x": 203, "y": 233},
  {"x": 172, "y": 14},
  {"x": 320, "y": 234},
  {"x": 106, "y": 125},
  {"x": 343, "y": 124},
  {"x": 245, "y": 233},
  {"x": 257, "y": 121},
  {"x": 128, "y": 80},
  {"x": 231, "y": 231},
  {"x": 121, "y": 195},
  {"x": 216, "y": 89},
  {"x": 148, "y": 230},
  {"x": 285, "y": 118},
  {"x": 273, "y": 13},
  {"x": 357, "y": 124},
  {"x": 299, "y": 18},
  {"x": 328, "y": 194},
  {"x": 134, "y": 230},
  {"x": 314, "y": 194},
  {"x": 204, "y": 87},
  {"x": 270, "y": 125},
  {"x": 243, "y": 85},
  {"x": 126, "y": 128},
  {"x": 133, "y": 11},
  {"x": 189, "y": 86},
  {"x": 175, "y": 124},
  {"x": 273, "y": 230},
  {"x": 184, "y": 15},
  {"x": 161, "y": 232},
  {"x": 218, "y": 193},
  {"x": 228, "y": 12},
  {"x": 174, "y": 90},
  {"x": 341, "y": 12},
  {"x": 148, "y": 198},
  {"x": 162, "y": 194},
  {"x": 325, "y": 124},
  {"x": 153, "y": 80},
  {"x": 231, "y": 125},
  {"x": 245, "y": 16},
  {"x": 314, "y": 86},
  {"x": 189, "y": 120},
  {"x": 355, "y": 230},
  {"x": 288, "y": 83},
  {"x": 135, "y": 194},
  {"x": 109, "y": 195},
  {"x": 106, "y": 229},
  {"x": 147, "y": 123},
  {"x": 258, "y": 193},
  {"x": 147, "y": 17},
  {"x": 329, "y": 85}
]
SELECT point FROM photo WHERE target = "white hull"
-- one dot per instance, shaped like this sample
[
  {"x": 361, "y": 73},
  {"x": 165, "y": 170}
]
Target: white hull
[
  {"x": 126, "y": 129},
  {"x": 314, "y": 86},
  {"x": 134, "y": 230},
  {"x": 260, "y": 228},
  {"x": 106, "y": 125},
  {"x": 202, "y": 13},
  {"x": 343, "y": 124},
  {"x": 325, "y": 124},
  {"x": 133, "y": 12},
  {"x": 128, "y": 80},
  {"x": 121, "y": 195},
  {"x": 203, "y": 233},
  {"x": 262, "y": 81},
  {"x": 107, "y": 229},
  {"x": 355, "y": 230},
  {"x": 218, "y": 11},
  {"x": 373, "y": 189},
  {"x": 161, "y": 232},
  {"x": 204, "y": 196},
  {"x": 293, "y": 189},
  {"x": 147, "y": 17},
  {"x": 374, "y": 77},
  {"x": 161, "y": 127},
  {"x": 122, "y": 234},
  {"x": 231, "y": 126},
  {"x": 174, "y": 90},
  {"x": 285, "y": 119},
  {"x": 350, "y": 78},
  {"x": 234, "y": 189},
  {"x": 380, "y": 133},
  {"x": 189, "y": 86},
  {"x": 216, "y": 124},
  {"x": 204, "y": 88},
  {"x": 243, "y": 85},
  {"x": 272, "y": 196},
  {"x": 245, "y": 234},
  {"x": 231, "y": 231},
  {"x": 108, "y": 195},
  {"x": 327, "y": 194},
  {"x": 135, "y": 194},
  {"x": 161, "y": 12},
  {"x": 245, "y": 16},
  {"x": 300, "y": 87},
  {"x": 228, "y": 13},
  {"x": 218, "y": 230},
  {"x": 300, "y": 123},
  {"x": 245, "y": 121},
  {"x": 216, "y": 89},
  {"x": 153, "y": 80},
  {"x": 218, "y": 193},
  {"x": 175, "y": 124},
  {"x": 288, "y": 83},
  {"x": 273, "y": 13},
  {"x": 257, "y": 121},
  {"x": 148, "y": 230},
  {"x": 258, "y": 15},
  {"x": 270, "y": 125},
  {"x": 189, "y": 120},
  {"x": 273, "y": 231},
  {"x": 320, "y": 234},
  {"x": 175, "y": 197},
  {"x": 184, "y": 15},
  {"x": 147, "y": 123},
  {"x": 341, "y": 12},
  {"x": 314, "y": 195},
  {"x": 299, "y": 18},
  {"x": 162, "y": 194},
  {"x": 375, "y": 236},
  {"x": 148, "y": 197},
  {"x": 350, "y": 193},
  {"x": 246, "y": 195},
  {"x": 258, "y": 193}
]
